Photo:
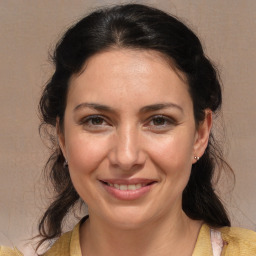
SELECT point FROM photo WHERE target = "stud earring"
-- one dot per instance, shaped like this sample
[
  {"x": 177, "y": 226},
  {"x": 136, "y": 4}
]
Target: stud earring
[
  {"x": 65, "y": 164},
  {"x": 196, "y": 158}
]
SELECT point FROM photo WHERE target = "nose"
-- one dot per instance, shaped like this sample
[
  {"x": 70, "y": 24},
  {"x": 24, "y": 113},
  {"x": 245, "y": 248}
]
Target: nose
[{"x": 127, "y": 153}]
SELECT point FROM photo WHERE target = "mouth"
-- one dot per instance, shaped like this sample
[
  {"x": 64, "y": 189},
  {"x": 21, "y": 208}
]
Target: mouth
[{"x": 128, "y": 189}]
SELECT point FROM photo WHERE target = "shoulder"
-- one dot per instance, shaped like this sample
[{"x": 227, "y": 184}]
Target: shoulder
[
  {"x": 6, "y": 251},
  {"x": 61, "y": 246},
  {"x": 238, "y": 241},
  {"x": 67, "y": 244}
]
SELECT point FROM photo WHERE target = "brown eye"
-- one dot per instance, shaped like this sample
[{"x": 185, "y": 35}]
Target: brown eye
[
  {"x": 94, "y": 122},
  {"x": 159, "y": 121},
  {"x": 97, "y": 120}
]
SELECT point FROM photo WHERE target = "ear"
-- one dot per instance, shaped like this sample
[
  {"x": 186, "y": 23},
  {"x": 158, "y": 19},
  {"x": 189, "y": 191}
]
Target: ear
[
  {"x": 202, "y": 135},
  {"x": 61, "y": 137}
]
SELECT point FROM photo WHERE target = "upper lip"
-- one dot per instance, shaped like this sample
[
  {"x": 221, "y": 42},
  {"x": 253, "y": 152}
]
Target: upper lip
[{"x": 128, "y": 181}]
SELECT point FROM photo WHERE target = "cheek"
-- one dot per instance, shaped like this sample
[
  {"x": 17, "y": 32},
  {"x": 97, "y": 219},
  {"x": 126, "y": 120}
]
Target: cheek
[
  {"x": 173, "y": 151},
  {"x": 85, "y": 152},
  {"x": 172, "y": 156}
]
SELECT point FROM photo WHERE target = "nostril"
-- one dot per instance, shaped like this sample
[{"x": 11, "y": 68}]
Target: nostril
[{"x": 127, "y": 157}]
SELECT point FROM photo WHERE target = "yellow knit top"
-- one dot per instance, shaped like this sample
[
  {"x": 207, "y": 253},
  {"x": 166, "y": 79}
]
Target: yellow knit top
[{"x": 237, "y": 242}]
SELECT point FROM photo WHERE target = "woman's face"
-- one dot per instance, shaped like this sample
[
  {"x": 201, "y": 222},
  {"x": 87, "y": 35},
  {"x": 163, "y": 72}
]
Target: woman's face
[{"x": 129, "y": 136}]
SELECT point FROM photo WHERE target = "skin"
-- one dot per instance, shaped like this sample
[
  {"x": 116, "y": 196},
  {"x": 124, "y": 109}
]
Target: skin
[{"x": 127, "y": 139}]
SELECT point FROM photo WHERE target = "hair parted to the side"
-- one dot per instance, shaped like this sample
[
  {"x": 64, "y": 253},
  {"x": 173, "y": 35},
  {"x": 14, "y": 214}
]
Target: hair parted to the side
[{"x": 137, "y": 27}]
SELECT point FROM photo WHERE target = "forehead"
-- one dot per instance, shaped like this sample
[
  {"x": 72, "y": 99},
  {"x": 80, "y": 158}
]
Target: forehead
[
  {"x": 123, "y": 74},
  {"x": 131, "y": 58}
]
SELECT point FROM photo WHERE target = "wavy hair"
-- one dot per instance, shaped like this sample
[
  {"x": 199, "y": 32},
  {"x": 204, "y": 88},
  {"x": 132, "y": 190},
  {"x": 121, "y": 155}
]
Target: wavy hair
[{"x": 133, "y": 26}]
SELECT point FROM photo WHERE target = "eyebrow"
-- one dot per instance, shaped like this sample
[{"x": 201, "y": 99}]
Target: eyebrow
[
  {"x": 155, "y": 107},
  {"x": 95, "y": 106},
  {"x": 149, "y": 108}
]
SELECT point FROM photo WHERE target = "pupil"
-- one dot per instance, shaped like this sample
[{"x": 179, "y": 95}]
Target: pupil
[
  {"x": 159, "y": 121},
  {"x": 97, "y": 120}
]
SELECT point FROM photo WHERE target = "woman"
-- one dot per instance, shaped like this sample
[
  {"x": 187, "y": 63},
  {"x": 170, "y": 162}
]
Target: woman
[{"x": 132, "y": 100}]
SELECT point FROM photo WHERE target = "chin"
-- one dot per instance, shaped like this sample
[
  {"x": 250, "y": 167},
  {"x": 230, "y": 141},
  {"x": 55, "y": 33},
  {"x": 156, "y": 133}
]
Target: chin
[{"x": 129, "y": 218}]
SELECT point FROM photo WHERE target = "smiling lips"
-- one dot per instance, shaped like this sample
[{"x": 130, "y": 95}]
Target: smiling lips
[{"x": 128, "y": 189}]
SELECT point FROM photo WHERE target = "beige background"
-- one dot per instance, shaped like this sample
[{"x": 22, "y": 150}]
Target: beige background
[{"x": 29, "y": 29}]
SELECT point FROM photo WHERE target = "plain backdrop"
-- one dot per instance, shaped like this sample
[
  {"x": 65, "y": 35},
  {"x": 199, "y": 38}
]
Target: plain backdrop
[{"x": 28, "y": 31}]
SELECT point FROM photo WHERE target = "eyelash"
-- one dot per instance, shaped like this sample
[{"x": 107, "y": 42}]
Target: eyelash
[
  {"x": 168, "y": 121},
  {"x": 88, "y": 121}
]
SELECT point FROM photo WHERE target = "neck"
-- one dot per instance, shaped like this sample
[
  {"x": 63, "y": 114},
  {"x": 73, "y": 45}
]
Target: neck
[{"x": 175, "y": 236}]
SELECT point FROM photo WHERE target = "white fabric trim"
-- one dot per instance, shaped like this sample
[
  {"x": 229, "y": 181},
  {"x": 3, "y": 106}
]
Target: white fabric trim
[{"x": 217, "y": 242}]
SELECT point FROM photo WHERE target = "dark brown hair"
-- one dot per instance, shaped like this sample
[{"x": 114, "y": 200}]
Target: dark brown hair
[{"x": 138, "y": 27}]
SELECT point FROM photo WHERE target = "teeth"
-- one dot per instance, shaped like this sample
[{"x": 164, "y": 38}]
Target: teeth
[
  {"x": 138, "y": 186},
  {"x": 127, "y": 187},
  {"x": 131, "y": 187},
  {"x": 123, "y": 187}
]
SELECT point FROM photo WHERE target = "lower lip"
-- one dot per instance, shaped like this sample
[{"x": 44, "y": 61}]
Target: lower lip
[{"x": 128, "y": 194}]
